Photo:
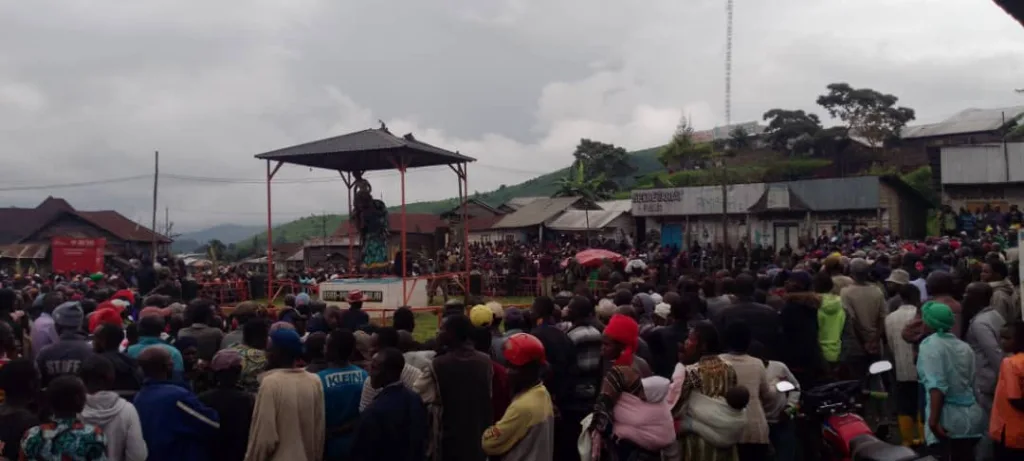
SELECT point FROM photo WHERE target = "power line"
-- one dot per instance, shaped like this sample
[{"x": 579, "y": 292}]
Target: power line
[
  {"x": 254, "y": 181},
  {"x": 77, "y": 184}
]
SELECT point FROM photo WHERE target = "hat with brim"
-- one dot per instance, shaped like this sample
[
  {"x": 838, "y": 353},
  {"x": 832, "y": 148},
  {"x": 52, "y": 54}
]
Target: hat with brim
[{"x": 899, "y": 277}]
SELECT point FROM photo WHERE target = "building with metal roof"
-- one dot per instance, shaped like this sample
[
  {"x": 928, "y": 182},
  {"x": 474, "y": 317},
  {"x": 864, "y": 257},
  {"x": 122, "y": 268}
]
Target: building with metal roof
[
  {"x": 528, "y": 222},
  {"x": 973, "y": 176},
  {"x": 779, "y": 213},
  {"x": 55, "y": 217},
  {"x": 967, "y": 121},
  {"x": 519, "y": 202}
]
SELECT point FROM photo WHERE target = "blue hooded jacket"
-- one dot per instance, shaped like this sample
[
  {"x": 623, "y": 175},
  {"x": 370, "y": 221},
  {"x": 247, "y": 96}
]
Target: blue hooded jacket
[{"x": 175, "y": 424}]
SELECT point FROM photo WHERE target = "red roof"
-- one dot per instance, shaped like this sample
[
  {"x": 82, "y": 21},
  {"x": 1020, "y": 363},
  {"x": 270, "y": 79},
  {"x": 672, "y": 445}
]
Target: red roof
[
  {"x": 122, "y": 227},
  {"x": 17, "y": 224},
  {"x": 415, "y": 223},
  {"x": 483, "y": 223}
]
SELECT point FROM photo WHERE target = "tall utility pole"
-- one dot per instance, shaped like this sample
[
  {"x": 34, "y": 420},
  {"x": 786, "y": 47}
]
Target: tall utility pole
[
  {"x": 728, "y": 120},
  {"x": 728, "y": 63},
  {"x": 156, "y": 178}
]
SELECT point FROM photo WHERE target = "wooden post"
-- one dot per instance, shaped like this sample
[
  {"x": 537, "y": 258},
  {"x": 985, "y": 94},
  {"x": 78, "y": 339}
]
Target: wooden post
[{"x": 156, "y": 178}]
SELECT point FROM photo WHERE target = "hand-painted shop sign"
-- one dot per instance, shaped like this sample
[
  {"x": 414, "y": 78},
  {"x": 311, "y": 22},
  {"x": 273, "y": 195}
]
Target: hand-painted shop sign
[{"x": 646, "y": 202}]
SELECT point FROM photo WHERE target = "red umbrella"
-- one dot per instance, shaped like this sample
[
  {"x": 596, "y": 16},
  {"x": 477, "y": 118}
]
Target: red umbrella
[{"x": 594, "y": 257}]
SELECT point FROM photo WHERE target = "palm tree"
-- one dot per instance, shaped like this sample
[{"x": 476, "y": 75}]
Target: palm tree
[
  {"x": 216, "y": 249},
  {"x": 591, "y": 189}
]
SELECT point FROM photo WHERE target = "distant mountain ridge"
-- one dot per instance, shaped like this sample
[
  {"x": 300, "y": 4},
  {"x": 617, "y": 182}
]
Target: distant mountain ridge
[{"x": 227, "y": 233}]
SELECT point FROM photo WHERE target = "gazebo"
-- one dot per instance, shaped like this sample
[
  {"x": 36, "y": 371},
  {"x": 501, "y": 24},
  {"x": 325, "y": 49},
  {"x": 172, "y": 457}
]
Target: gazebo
[{"x": 354, "y": 154}]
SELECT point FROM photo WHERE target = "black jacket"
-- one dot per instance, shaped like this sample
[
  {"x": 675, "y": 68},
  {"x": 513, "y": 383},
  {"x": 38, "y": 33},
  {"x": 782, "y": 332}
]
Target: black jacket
[
  {"x": 801, "y": 351},
  {"x": 561, "y": 357},
  {"x": 763, "y": 321},
  {"x": 127, "y": 376}
]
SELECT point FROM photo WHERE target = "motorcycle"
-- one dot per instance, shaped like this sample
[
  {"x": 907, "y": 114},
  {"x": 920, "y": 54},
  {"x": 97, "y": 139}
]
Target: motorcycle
[{"x": 845, "y": 435}]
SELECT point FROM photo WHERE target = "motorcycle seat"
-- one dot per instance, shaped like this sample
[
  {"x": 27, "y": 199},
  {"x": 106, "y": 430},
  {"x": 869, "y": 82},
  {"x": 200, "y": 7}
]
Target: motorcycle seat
[{"x": 870, "y": 448}]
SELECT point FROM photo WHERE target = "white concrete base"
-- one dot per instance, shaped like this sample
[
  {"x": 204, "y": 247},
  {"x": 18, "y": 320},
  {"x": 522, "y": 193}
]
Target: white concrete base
[{"x": 378, "y": 293}]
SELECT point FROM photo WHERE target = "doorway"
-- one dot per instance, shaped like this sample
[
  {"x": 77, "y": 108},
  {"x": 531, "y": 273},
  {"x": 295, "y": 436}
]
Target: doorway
[{"x": 786, "y": 233}]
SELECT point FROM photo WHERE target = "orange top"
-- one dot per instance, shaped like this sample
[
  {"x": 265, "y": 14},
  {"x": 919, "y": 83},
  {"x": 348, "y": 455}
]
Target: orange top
[{"x": 1007, "y": 421}]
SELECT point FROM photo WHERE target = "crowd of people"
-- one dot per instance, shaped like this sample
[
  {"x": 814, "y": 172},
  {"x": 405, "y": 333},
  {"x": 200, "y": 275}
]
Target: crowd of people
[{"x": 671, "y": 360}]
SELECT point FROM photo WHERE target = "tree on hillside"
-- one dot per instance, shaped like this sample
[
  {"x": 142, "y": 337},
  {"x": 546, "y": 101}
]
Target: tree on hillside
[
  {"x": 739, "y": 139},
  {"x": 579, "y": 183},
  {"x": 791, "y": 131},
  {"x": 682, "y": 152},
  {"x": 607, "y": 160},
  {"x": 215, "y": 248},
  {"x": 870, "y": 114}
]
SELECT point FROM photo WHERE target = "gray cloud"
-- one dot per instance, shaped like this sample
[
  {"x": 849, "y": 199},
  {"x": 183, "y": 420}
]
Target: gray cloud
[{"x": 89, "y": 89}]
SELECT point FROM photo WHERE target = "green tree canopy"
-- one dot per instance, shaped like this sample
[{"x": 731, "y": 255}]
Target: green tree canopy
[
  {"x": 869, "y": 114},
  {"x": 791, "y": 131},
  {"x": 682, "y": 151},
  {"x": 578, "y": 182},
  {"x": 606, "y": 160}
]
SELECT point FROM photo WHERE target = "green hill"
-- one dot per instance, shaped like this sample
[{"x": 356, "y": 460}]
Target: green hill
[{"x": 645, "y": 161}]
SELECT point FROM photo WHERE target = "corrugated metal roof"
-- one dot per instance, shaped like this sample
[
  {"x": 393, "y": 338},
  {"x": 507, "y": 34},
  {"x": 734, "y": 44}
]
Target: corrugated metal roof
[
  {"x": 616, "y": 205},
  {"x": 966, "y": 121},
  {"x": 365, "y": 151},
  {"x": 122, "y": 227},
  {"x": 834, "y": 194},
  {"x": 982, "y": 164},
  {"x": 725, "y": 131},
  {"x": 536, "y": 212},
  {"x": 519, "y": 202},
  {"x": 299, "y": 256},
  {"x": 577, "y": 220},
  {"x": 24, "y": 251}
]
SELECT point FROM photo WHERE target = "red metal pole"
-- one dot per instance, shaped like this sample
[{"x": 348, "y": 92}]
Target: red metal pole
[
  {"x": 351, "y": 263},
  {"x": 405, "y": 258},
  {"x": 270, "y": 241}
]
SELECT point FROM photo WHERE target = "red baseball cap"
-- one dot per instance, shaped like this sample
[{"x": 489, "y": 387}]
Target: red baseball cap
[{"x": 354, "y": 296}]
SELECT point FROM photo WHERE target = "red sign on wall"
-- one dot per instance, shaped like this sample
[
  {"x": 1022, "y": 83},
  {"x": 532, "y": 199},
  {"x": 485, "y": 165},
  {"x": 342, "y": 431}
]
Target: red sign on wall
[{"x": 78, "y": 254}]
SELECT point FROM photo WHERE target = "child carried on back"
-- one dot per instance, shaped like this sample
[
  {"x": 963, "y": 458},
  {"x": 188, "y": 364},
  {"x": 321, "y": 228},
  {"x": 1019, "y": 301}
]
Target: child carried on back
[
  {"x": 646, "y": 422},
  {"x": 719, "y": 421}
]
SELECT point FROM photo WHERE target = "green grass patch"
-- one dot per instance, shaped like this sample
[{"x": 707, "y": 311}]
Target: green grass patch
[{"x": 427, "y": 322}]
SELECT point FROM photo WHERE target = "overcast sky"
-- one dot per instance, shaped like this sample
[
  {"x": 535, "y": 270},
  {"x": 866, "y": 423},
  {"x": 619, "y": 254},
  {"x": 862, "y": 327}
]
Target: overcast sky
[{"x": 89, "y": 88}]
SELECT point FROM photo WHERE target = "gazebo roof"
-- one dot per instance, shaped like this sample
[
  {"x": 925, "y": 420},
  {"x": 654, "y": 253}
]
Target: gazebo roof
[{"x": 367, "y": 150}]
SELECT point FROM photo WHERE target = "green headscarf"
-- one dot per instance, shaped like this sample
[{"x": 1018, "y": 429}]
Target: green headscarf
[{"x": 937, "y": 316}]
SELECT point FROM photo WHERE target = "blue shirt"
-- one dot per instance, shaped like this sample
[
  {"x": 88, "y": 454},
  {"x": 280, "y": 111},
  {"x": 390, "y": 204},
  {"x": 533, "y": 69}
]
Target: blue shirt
[{"x": 343, "y": 388}]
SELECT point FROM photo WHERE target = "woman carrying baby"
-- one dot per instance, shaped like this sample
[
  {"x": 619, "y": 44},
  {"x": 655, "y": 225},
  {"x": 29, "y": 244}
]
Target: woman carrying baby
[
  {"x": 632, "y": 419},
  {"x": 701, "y": 383}
]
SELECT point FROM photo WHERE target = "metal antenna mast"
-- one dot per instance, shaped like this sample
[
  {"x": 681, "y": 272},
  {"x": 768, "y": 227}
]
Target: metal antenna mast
[{"x": 728, "y": 62}]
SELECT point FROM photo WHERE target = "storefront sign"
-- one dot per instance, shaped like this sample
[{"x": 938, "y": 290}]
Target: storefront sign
[
  {"x": 78, "y": 255},
  {"x": 655, "y": 202}
]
